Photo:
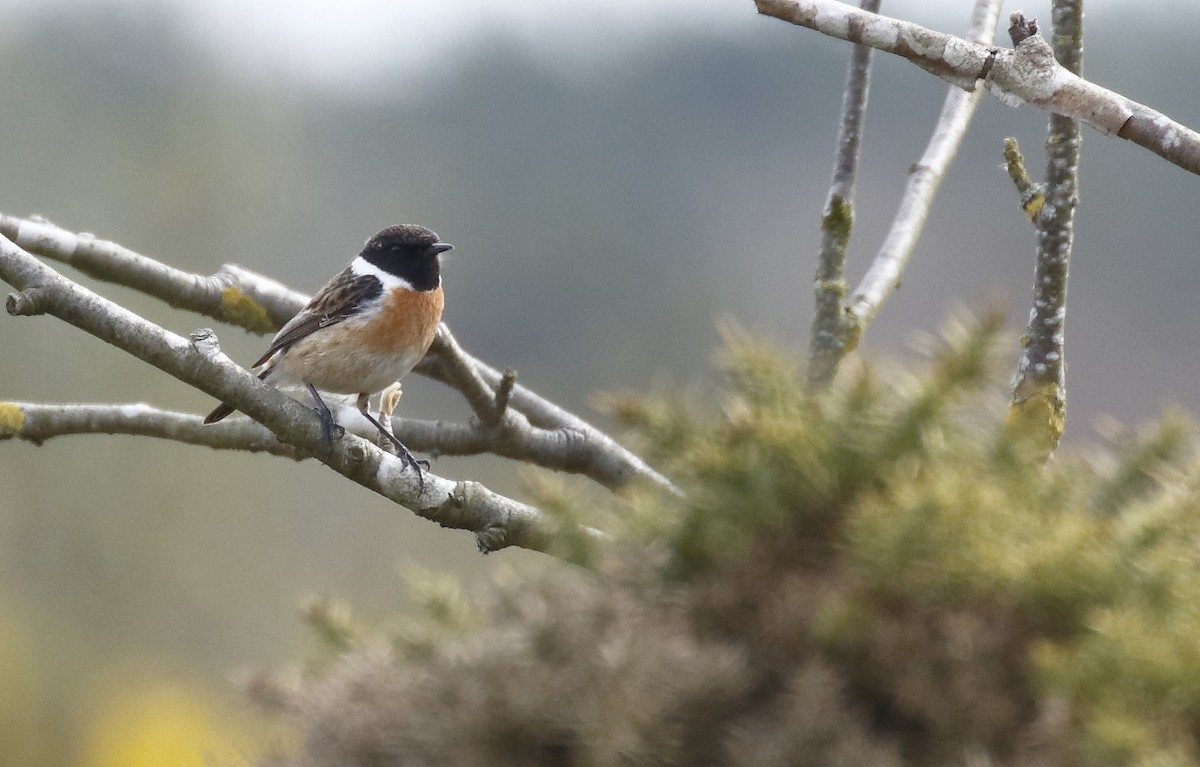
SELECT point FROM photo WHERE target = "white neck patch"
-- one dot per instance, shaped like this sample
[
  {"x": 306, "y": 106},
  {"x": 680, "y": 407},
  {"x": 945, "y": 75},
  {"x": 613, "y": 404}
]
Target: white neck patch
[{"x": 362, "y": 267}]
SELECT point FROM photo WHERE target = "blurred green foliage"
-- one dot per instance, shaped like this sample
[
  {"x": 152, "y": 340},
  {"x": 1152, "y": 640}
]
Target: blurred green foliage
[{"x": 886, "y": 575}]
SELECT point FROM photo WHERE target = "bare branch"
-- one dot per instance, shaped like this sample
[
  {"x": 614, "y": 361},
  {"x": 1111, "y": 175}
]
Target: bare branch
[
  {"x": 39, "y": 422},
  {"x": 497, "y": 521},
  {"x": 827, "y": 344},
  {"x": 883, "y": 277},
  {"x": 1029, "y": 74},
  {"x": 563, "y": 450},
  {"x": 1039, "y": 398},
  {"x": 259, "y": 304}
]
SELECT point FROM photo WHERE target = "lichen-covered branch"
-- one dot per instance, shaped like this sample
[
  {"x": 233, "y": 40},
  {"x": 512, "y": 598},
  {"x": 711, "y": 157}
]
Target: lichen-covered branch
[
  {"x": 1039, "y": 397},
  {"x": 232, "y": 295},
  {"x": 1029, "y": 74},
  {"x": 497, "y": 521},
  {"x": 828, "y": 338},
  {"x": 534, "y": 432},
  {"x": 884, "y": 275}
]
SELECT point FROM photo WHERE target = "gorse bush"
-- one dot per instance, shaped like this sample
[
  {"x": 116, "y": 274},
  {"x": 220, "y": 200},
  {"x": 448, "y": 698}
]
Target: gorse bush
[{"x": 885, "y": 575}]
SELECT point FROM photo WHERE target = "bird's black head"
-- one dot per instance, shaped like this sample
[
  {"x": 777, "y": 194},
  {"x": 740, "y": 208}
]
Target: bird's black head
[{"x": 408, "y": 251}]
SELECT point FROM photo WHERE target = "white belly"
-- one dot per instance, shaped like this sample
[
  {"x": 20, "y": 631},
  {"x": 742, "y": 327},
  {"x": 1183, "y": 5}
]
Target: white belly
[{"x": 341, "y": 368}]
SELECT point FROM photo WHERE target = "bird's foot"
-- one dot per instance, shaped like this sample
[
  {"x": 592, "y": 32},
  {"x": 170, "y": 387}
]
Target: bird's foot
[
  {"x": 407, "y": 459},
  {"x": 329, "y": 427}
]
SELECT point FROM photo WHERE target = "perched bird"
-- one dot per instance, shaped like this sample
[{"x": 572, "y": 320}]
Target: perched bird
[{"x": 365, "y": 329}]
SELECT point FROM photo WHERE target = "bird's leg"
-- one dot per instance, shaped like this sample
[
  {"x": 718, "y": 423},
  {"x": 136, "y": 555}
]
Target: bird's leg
[
  {"x": 328, "y": 425},
  {"x": 406, "y": 457}
]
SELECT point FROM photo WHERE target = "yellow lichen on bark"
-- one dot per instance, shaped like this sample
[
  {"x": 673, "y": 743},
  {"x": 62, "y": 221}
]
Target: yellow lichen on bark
[
  {"x": 240, "y": 309},
  {"x": 1037, "y": 416},
  {"x": 12, "y": 418},
  {"x": 1033, "y": 206}
]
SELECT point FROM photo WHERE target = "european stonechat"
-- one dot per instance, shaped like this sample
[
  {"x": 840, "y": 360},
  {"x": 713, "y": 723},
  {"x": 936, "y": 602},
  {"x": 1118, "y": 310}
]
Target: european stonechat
[{"x": 365, "y": 329}]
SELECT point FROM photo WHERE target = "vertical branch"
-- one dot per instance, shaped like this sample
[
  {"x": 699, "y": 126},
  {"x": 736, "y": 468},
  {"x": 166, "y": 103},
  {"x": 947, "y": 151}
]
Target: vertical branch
[
  {"x": 884, "y": 274},
  {"x": 829, "y": 336},
  {"x": 1039, "y": 397}
]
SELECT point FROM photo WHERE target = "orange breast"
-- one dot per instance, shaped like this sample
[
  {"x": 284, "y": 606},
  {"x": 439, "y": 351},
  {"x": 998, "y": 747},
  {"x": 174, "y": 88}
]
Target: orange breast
[{"x": 408, "y": 321}]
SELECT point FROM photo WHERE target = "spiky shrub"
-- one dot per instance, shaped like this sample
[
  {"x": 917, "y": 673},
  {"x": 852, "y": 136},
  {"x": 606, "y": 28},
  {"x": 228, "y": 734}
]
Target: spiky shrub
[{"x": 887, "y": 575}]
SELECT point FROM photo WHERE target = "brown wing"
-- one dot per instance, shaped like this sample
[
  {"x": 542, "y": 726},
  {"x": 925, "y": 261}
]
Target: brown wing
[{"x": 342, "y": 297}]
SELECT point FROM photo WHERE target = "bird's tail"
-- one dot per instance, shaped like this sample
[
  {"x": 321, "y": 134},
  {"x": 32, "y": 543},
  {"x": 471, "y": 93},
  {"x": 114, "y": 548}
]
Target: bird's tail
[
  {"x": 220, "y": 412},
  {"x": 223, "y": 410}
]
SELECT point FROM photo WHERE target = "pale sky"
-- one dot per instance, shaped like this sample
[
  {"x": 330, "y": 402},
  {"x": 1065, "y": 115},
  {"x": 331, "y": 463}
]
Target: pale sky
[{"x": 341, "y": 42}]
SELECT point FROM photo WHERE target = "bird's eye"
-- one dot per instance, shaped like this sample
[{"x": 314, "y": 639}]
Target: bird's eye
[{"x": 395, "y": 248}]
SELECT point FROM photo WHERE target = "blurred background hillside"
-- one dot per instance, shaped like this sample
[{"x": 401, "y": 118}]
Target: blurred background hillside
[{"x": 612, "y": 183}]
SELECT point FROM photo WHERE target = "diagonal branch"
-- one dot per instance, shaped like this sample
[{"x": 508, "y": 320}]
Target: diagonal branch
[
  {"x": 232, "y": 295},
  {"x": 259, "y": 304},
  {"x": 461, "y": 373},
  {"x": 828, "y": 338},
  {"x": 497, "y": 521},
  {"x": 1028, "y": 74},
  {"x": 883, "y": 276}
]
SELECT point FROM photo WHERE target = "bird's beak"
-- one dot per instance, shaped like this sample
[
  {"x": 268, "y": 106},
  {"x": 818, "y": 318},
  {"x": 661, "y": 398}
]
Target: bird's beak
[{"x": 438, "y": 248}]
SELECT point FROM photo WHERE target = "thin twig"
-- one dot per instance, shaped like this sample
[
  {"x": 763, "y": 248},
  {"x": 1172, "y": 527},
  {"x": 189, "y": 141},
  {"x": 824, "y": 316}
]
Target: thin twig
[
  {"x": 883, "y": 277},
  {"x": 504, "y": 391},
  {"x": 1039, "y": 397},
  {"x": 1033, "y": 196},
  {"x": 1028, "y": 75},
  {"x": 828, "y": 339}
]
